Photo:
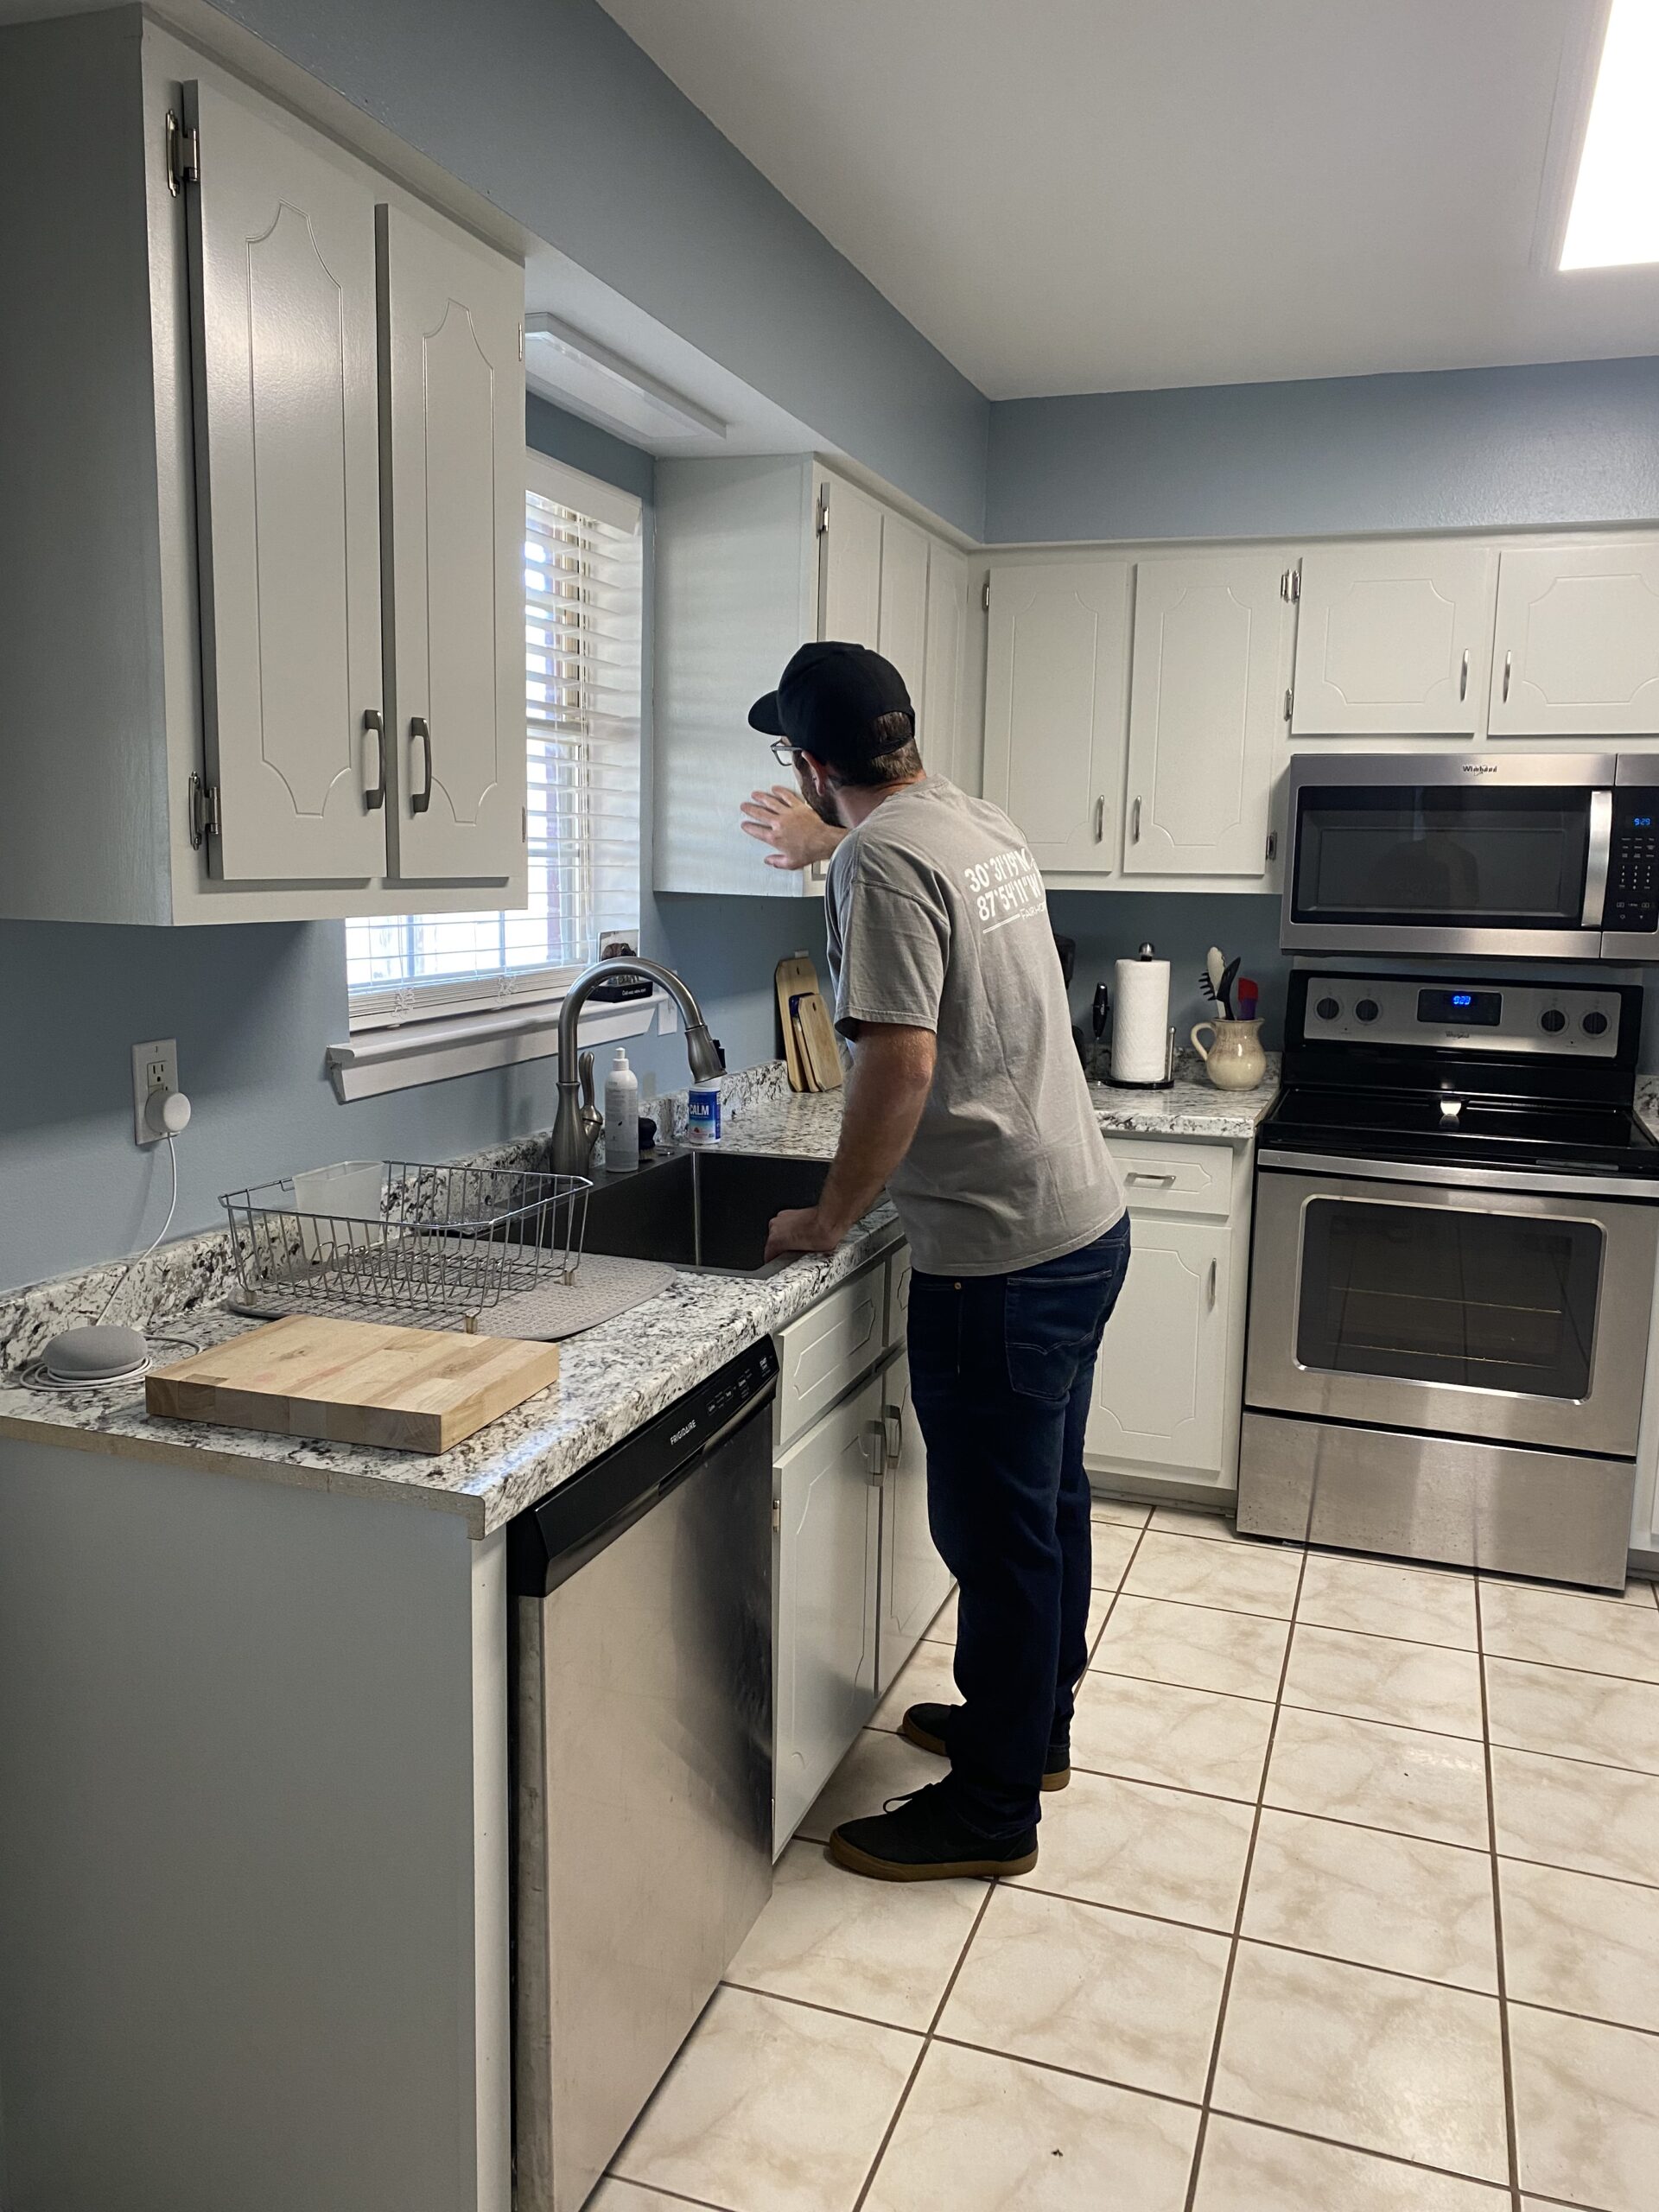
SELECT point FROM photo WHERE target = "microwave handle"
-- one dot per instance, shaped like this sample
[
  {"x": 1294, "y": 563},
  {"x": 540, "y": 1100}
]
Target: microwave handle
[{"x": 1595, "y": 871}]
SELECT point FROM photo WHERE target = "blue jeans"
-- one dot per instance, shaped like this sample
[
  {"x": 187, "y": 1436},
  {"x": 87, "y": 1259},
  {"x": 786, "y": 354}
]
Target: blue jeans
[{"x": 1002, "y": 1369}]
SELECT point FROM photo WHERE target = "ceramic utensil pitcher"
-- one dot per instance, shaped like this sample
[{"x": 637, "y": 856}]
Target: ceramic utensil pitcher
[{"x": 1234, "y": 1060}]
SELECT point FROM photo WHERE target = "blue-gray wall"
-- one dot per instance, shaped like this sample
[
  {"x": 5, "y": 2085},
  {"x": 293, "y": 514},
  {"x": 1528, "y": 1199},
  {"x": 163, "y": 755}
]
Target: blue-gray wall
[
  {"x": 1180, "y": 927},
  {"x": 254, "y": 1008},
  {"x": 551, "y": 111},
  {"x": 1454, "y": 449}
]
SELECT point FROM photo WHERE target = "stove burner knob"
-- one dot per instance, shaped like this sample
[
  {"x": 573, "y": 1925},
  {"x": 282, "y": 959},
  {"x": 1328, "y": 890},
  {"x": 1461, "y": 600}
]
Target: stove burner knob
[
  {"x": 1553, "y": 1021},
  {"x": 1595, "y": 1025},
  {"x": 1367, "y": 1009},
  {"x": 1327, "y": 1009}
]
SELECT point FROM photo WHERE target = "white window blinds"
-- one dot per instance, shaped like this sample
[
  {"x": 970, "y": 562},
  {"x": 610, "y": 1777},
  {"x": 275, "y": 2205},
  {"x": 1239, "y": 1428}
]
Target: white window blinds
[{"x": 583, "y": 593}]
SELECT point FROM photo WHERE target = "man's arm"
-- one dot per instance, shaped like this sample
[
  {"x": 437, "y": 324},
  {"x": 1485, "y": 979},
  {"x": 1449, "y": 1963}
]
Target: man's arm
[
  {"x": 781, "y": 818},
  {"x": 893, "y": 1073}
]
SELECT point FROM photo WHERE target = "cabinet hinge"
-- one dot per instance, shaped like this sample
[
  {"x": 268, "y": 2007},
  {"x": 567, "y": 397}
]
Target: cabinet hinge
[
  {"x": 203, "y": 802},
  {"x": 1288, "y": 698},
  {"x": 183, "y": 156},
  {"x": 985, "y": 596},
  {"x": 1290, "y": 584},
  {"x": 823, "y": 510}
]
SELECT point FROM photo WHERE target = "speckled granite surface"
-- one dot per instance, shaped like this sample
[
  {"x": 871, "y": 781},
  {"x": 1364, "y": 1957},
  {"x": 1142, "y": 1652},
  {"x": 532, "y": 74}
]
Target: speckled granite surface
[{"x": 613, "y": 1377}]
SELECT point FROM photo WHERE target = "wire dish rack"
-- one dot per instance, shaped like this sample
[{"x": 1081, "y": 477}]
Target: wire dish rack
[{"x": 443, "y": 1240}]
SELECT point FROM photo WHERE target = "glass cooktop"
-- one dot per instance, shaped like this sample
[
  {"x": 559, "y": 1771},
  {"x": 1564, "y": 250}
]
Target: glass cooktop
[{"x": 1400, "y": 1124}]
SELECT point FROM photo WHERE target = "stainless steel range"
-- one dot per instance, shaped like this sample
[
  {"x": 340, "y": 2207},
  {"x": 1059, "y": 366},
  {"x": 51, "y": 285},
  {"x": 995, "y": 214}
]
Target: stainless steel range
[{"x": 1457, "y": 1228}]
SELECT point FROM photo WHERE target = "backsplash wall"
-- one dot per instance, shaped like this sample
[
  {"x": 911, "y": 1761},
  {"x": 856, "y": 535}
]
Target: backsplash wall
[{"x": 1180, "y": 927}]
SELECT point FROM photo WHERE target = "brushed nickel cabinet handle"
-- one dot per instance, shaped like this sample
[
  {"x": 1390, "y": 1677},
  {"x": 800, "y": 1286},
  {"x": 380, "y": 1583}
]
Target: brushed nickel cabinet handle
[
  {"x": 1463, "y": 681},
  {"x": 1210, "y": 1293},
  {"x": 1135, "y": 824},
  {"x": 1508, "y": 670},
  {"x": 376, "y": 794},
  {"x": 893, "y": 1422},
  {"x": 1099, "y": 819},
  {"x": 419, "y": 801}
]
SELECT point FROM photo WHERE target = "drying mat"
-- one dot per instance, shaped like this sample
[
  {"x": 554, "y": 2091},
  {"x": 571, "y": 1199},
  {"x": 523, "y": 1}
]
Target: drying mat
[{"x": 602, "y": 1289}]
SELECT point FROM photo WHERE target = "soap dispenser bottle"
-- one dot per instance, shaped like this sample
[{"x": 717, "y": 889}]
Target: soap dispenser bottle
[{"x": 621, "y": 1117}]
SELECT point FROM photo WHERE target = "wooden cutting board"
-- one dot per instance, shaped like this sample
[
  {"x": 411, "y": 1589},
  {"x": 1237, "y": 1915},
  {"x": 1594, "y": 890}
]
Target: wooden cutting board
[
  {"x": 351, "y": 1382},
  {"x": 811, "y": 1047}
]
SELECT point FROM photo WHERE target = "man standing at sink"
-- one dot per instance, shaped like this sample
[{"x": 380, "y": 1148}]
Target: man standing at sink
[{"x": 967, "y": 1103}]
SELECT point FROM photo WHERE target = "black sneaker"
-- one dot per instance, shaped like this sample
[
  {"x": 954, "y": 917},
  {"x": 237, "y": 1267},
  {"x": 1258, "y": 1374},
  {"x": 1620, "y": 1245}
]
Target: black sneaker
[
  {"x": 923, "y": 1838},
  {"x": 928, "y": 1727}
]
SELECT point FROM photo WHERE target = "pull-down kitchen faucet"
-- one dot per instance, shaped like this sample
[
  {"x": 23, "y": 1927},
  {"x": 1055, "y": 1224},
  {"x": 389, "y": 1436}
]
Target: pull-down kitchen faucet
[{"x": 575, "y": 1131}]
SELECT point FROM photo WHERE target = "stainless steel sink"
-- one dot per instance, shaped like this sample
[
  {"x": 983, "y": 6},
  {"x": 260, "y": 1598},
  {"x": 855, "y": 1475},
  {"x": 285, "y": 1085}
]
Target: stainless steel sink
[{"x": 707, "y": 1210}]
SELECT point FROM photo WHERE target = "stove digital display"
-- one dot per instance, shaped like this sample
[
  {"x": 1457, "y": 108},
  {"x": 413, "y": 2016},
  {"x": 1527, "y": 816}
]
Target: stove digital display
[{"x": 1461, "y": 1009}]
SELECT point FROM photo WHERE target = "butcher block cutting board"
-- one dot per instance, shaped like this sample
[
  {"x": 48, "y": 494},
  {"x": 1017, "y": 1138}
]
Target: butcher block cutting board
[{"x": 355, "y": 1382}]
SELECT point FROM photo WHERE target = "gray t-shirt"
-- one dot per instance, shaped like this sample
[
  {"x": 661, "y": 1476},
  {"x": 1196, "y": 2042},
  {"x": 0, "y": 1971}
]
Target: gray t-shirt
[{"x": 938, "y": 920}]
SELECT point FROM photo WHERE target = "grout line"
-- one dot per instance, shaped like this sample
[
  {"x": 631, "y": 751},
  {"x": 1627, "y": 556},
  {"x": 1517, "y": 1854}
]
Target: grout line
[
  {"x": 1590, "y": 2019},
  {"x": 1510, "y": 2136},
  {"x": 818, "y": 2004},
  {"x": 1565, "y": 1667},
  {"x": 1370, "y": 2151},
  {"x": 927, "y": 2045},
  {"x": 1576, "y": 1758},
  {"x": 1295, "y": 1704},
  {"x": 1238, "y": 1915},
  {"x": 656, "y": 2188}
]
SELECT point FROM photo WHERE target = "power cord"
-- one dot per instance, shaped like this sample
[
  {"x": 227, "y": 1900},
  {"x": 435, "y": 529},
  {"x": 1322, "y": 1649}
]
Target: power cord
[{"x": 173, "y": 1207}]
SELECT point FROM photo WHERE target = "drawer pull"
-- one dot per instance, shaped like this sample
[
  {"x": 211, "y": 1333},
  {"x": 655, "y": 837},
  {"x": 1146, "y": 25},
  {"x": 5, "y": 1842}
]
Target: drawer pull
[
  {"x": 1508, "y": 670},
  {"x": 1463, "y": 681},
  {"x": 893, "y": 1422},
  {"x": 875, "y": 1433},
  {"x": 1209, "y": 1292},
  {"x": 1146, "y": 1175}
]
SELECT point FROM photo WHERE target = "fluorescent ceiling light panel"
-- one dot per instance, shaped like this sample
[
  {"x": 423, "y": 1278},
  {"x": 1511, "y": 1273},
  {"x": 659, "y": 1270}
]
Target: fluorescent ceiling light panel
[
  {"x": 581, "y": 374},
  {"x": 1615, "y": 218}
]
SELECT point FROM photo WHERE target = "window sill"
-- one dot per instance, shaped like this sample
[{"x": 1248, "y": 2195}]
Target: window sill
[{"x": 375, "y": 1061}]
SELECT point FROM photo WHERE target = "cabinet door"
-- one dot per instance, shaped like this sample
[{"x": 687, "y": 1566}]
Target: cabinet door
[
  {"x": 1577, "y": 647},
  {"x": 283, "y": 310},
  {"x": 915, "y": 1580},
  {"x": 453, "y": 411},
  {"x": 1393, "y": 640},
  {"x": 947, "y": 632},
  {"x": 1207, "y": 715},
  {"x": 901, "y": 633},
  {"x": 828, "y": 1537},
  {"x": 1054, "y": 685},
  {"x": 1159, "y": 1380},
  {"x": 850, "y": 564}
]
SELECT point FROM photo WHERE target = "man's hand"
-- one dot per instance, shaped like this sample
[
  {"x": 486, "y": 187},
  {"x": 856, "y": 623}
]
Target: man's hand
[
  {"x": 781, "y": 818},
  {"x": 802, "y": 1229}
]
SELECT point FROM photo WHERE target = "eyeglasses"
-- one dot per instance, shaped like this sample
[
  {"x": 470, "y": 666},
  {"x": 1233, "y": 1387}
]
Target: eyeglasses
[{"x": 783, "y": 753}]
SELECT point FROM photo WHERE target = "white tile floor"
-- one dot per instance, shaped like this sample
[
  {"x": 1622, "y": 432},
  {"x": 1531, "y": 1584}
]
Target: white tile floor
[{"x": 1352, "y": 1906}]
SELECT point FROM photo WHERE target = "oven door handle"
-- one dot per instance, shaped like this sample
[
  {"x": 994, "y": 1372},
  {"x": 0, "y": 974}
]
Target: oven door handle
[
  {"x": 1595, "y": 870},
  {"x": 1525, "y": 1182}
]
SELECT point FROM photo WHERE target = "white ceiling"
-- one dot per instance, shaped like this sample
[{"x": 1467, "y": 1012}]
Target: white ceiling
[{"x": 1085, "y": 195}]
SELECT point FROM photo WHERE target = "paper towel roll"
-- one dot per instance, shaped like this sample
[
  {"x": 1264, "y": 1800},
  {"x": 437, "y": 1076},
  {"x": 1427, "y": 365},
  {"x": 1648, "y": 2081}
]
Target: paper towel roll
[{"x": 1140, "y": 1021}]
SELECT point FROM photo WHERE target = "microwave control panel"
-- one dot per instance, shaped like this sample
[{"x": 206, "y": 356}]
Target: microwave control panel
[{"x": 1632, "y": 904}]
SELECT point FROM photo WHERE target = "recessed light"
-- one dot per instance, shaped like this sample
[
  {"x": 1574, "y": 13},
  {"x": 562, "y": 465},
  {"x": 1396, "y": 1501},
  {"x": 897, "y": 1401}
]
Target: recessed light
[{"x": 1615, "y": 218}]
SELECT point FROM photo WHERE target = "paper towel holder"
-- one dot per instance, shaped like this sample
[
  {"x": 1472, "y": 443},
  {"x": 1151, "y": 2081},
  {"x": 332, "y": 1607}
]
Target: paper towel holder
[{"x": 1102, "y": 1006}]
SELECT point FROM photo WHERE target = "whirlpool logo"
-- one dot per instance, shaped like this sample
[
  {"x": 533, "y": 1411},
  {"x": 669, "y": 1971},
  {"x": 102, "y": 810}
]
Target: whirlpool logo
[{"x": 1480, "y": 768}]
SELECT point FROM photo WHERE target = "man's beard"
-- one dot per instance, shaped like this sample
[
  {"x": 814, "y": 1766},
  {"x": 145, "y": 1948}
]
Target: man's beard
[{"x": 823, "y": 804}]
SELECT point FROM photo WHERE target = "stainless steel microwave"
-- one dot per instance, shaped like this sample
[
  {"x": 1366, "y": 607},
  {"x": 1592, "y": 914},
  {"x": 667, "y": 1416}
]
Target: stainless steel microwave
[{"x": 1503, "y": 854}]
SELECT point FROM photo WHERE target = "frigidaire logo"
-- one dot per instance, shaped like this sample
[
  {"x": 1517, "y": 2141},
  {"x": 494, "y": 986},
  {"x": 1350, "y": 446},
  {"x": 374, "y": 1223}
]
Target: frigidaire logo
[
  {"x": 1480, "y": 768},
  {"x": 680, "y": 1434}
]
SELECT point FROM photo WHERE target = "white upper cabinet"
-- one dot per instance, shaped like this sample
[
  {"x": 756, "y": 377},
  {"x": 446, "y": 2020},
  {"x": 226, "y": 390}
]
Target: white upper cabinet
[
  {"x": 1207, "y": 715},
  {"x": 282, "y": 279},
  {"x": 1392, "y": 640},
  {"x": 1054, "y": 681},
  {"x": 1576, "y": 652},
  {"x": 901, "y": 632},
  {"x": 940, "y": 727},
  {"x": 849, "y": 563},
  {"x": 454, "y": 503}
]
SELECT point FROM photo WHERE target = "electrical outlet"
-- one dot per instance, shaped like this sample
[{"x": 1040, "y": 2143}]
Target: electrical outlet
[{"x": 155, "y": 1067}]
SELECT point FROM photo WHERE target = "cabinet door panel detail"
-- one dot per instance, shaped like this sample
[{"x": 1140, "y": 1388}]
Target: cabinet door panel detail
[
  {"x": 849, "y": 556},
  {"x": 902, "y": 633},
  {"x": 1578, "y": 642},
  {"x": 829, "y": 1532},
  {"x": 453, "y": 405},
  {"x": 1393, "y": 640},
  {"x": 1204, "y": 715},
  {"x": 1054, "y": 694},
  {"x": 1158, "y": 1382},
  {"x": 283, "y": 327},
  {"x": 941, "y": 734}
]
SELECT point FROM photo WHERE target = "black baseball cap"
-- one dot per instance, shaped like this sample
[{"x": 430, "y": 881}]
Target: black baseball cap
[{"x": 828, "y": 701}]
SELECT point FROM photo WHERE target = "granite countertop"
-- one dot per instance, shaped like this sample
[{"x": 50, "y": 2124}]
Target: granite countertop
[
  {"x": 613, "y": 1378},
  {"x": 1193, "y": 1108}
]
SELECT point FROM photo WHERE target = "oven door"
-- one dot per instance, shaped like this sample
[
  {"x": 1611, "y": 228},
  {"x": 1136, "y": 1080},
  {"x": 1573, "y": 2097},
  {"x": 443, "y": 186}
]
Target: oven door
[
  {"x": 1449, "y": 855},
  {"x": 1509, "y": 1316}
]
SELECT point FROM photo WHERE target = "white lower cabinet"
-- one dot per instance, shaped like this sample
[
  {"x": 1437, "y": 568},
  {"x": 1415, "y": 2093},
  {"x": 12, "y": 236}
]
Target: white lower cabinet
[
  {"x": 829, "y": 1493},
  {"x": 1170, "y": 1374},
  {"x": 915, "y": 1580}
]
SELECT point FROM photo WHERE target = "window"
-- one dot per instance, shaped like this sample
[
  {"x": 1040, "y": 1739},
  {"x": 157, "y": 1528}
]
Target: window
[{"x": 583, "y": 593}]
